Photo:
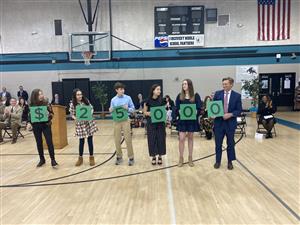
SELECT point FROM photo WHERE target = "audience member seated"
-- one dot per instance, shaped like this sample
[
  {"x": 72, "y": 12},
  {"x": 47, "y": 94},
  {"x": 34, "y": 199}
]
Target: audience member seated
[
  {"x": 141, "y": 101},
  {"x": 2, "y": 107},
  {"x": 12, "y": 119},
  {"x": 265, "y": 111},
  {"x": 205, "y": 122},
  {"x": 169, "y": 107},
  {"x": 23, "y": 104}
]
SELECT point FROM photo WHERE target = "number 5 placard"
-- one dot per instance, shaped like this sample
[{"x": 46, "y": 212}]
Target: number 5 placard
[
  {"x": 119, "y": 114},
  {"x": 84, "y": 113},
  {"x": 188, "y": 112},
  {"x": 38, "y": 114},
  {"x": 158, "y": 114}
]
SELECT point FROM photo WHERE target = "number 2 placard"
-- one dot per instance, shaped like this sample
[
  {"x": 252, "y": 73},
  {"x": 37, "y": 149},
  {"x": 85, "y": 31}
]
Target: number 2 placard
[{"x": 84, "y": 113}]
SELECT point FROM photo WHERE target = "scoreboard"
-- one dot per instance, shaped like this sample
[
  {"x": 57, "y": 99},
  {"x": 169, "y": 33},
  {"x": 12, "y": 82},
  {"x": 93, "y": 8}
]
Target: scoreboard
[{"x": 179, "y": 26}]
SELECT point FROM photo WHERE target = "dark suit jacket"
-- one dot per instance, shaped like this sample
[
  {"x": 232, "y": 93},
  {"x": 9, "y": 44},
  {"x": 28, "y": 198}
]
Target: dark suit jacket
[
  {"x": 8, "y": 97},
  {"x": 234, "y": 107},
  {"x": 24, "y": 95}
]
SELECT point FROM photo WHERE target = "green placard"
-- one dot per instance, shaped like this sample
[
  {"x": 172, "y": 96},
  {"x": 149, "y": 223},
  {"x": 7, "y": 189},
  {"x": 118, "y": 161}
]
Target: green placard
[
  {"x": 119, "y": 114},
  {"x": 215, "y": 109},
  {"x": 158, "y": 114},
  {"x": 84, "y": 113},
  {"x": 188, "y": 112},
  {"x": 38, "y": 114}
]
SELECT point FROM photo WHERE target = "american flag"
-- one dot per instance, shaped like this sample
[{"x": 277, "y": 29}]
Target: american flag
[{"x": 274, "y": 19}]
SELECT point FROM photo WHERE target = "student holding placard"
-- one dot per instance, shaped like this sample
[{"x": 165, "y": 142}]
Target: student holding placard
[
  {"x": 82, "y": 112},
  {"x": 155, "y": 112},
  {"x": 227, "y": 105},
  {"x": 40, "y": 118},
  {"x": 188, "y": 108},
  {"x": 120, "y": 106}
]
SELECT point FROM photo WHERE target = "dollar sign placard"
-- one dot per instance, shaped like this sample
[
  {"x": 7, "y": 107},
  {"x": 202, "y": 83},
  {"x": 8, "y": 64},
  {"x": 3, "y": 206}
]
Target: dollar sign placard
[
  {"x": 119, "y": 114},
  {"x": 38, "y": 114},
  {"x": 215, "y": 109},
  {"x": 188, "y": 112},
  {"x": 158, "y": 114},
  {"x": 84, "y": 113}
]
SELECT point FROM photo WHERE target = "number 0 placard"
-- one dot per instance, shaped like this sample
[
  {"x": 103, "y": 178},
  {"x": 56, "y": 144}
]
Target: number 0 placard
[
  {"x": 158, "y": 114},
  {"x": 215, "y": 109},
  {"x": 188, "y": 112},
  {"x": 84, "y": 113},
  {"x": 38, "y": 114},
  {"x": 120, "y": 114}
]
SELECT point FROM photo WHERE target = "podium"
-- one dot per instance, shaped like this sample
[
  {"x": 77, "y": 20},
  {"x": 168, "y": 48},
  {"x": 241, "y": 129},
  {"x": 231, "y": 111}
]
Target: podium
[{"x": 59, "y": 128}]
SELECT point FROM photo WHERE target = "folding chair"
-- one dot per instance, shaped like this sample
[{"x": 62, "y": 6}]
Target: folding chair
[
  {"x": 241, "y": 125},
  {"x": 8, "y": 132},
  {"x": 260, "y": 129}
]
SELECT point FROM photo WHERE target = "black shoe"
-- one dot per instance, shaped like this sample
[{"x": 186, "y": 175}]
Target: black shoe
[
  {"x": 230, "y": 166},
  {"x": 41, "y": 163},
  {"x": 159, "y": 161},
  {"x": 217, "y": 165},
  {"x": 153, "y": 162},
  {"x": 53, "y": 163},
  {"x": 269, "y": 135}
]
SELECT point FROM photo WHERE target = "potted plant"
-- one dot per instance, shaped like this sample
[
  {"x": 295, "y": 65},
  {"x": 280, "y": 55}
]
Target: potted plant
[
  {"x": 100, "y": 92},
  {"x": 252, "y": 88}
]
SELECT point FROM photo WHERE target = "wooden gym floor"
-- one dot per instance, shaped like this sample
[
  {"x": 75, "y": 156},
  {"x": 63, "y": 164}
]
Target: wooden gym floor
[{"x": 263, "y": 188}]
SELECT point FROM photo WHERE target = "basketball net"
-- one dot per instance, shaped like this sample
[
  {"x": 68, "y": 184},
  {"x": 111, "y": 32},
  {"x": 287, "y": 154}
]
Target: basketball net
[{"x": 87, "y": 57}]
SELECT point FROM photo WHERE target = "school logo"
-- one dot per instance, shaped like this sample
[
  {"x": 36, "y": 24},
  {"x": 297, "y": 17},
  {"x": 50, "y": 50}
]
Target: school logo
[{"x": 251, "y": 71}]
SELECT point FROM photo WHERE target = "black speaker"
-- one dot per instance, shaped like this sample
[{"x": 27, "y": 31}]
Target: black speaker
[{"x": 58, "y": 27}]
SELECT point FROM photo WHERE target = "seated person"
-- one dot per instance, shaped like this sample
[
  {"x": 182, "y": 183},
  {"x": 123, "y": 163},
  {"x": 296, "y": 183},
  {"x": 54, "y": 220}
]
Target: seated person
[
  {"x": 266, "y": 109},
  {"x": 2, "y": 107},
  {"x": 169, "y": 107},
  {"x": 12, "y": 119},
  {"x": 141, "y": 101},
  {"x": 205, "y": 122},
  {"x": 23, "y": 104}
]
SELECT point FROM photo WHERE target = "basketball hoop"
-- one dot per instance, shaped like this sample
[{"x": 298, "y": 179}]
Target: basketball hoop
[{"x": 87, "y": 57}]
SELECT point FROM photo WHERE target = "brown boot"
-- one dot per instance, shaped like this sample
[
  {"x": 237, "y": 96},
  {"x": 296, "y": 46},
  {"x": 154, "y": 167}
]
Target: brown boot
[
  {"x": 180, "y": 163},
  {"x": 191, "y": 164},
  {"x": 92, "y": 161},
  {"x": 1, "y": 139},
  {"x": 14, "y": 140},
  {"x": 79, "y": 161}
]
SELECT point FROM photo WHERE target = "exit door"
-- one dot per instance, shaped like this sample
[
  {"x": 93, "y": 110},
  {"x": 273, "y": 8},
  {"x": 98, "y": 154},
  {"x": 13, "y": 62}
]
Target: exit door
[{"x": 279, "y": 86}]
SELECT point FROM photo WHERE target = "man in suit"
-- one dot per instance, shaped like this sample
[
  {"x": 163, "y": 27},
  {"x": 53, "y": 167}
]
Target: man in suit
[
  {"x": 12, "y": 119},
  {"x": 22, "y": 93},
  {"x": 226, "y": 125},
  {"x": 6, "y": 95}
]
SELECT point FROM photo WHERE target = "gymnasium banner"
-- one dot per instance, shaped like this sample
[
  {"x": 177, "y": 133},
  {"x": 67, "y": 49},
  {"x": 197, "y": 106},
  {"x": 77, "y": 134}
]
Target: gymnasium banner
[
  {"x": 189, "y": 40},
  {"x": 247, "y": 72}
]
